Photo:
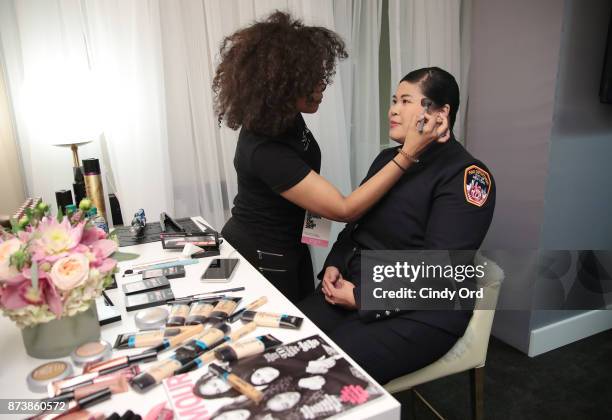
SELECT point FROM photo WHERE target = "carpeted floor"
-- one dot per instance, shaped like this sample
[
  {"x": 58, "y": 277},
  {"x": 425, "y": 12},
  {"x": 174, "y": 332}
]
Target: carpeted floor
[{"x": 573, "y": 382}]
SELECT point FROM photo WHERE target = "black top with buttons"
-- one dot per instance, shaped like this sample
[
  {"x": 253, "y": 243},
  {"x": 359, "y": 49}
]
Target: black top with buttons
[{"x": 445, "y": 202}]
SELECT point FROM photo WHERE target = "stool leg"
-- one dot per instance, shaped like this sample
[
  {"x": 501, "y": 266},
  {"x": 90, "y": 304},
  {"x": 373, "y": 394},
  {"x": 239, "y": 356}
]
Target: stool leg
[{"x": 477, "y": 391}]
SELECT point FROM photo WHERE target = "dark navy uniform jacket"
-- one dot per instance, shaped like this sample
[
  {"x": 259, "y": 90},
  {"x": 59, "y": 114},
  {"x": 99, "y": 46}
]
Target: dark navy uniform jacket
[{"x": 444, "y": 202}]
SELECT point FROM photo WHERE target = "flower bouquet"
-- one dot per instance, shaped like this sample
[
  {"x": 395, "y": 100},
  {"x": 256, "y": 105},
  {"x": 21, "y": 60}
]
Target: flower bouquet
[{"x": 51, "y": 272}]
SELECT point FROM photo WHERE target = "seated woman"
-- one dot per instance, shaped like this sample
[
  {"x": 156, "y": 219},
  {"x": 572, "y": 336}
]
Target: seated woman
[{"x": 443, "y": 202}]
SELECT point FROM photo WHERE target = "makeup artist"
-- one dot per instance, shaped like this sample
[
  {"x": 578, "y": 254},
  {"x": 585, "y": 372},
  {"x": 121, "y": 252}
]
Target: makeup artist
[
  {"x": 269, "y": 74},
  {"x": 445, "y": 202}
]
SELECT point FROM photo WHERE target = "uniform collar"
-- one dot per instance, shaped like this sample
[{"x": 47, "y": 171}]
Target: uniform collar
[{"x": 434, "y": 149}]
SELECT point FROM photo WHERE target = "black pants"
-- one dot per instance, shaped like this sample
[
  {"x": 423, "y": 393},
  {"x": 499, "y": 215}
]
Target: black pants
[
  {"x": 288, "y": 269},
  {"x": 385, "y": 349}
]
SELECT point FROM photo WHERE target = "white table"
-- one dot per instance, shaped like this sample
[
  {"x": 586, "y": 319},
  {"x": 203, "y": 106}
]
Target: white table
[{"x": 15, "y": 364}]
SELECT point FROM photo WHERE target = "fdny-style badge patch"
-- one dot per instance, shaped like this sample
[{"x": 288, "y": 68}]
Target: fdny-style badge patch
[{"x": 476, "y": 185}]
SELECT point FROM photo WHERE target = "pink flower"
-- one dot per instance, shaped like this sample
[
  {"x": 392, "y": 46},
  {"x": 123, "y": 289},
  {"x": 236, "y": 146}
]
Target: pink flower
[
  {"x": 70, "y": 272},
  {"x": 8, "y": 248},
  {"x": 13, "y": 294},
  {"x": 19, "y": 293},
  {"x": 53, "y": 240},
  {"x": 107, "y": 265},
  {"x": 51, "y": 296},
  {"x": 104, "y": 248},
  {"x": 101, "y": 251},
  {"x": 92, "y": 234}
]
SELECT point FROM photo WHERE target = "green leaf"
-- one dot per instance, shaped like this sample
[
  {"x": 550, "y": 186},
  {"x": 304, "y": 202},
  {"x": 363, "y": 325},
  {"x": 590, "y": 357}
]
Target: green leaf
[
  {"x": 60, "y": 215},
  {"x": 34, "y": 271},
  {"x": 15, "y": 225},
  {"x": 124, "y": 256}
]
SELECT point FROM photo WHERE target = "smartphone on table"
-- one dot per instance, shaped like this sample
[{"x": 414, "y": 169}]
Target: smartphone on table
[{"x": 220, "y": 270}]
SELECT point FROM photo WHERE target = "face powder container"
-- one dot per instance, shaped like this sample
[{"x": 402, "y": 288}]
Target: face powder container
[
  {"x": 94, "y": 351},
  {"x": 43, "y": 375},
  {"x": 151, "y": 318}
]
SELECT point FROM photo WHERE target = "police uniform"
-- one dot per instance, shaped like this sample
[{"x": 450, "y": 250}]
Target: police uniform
[{"x": 444, "y": 202}]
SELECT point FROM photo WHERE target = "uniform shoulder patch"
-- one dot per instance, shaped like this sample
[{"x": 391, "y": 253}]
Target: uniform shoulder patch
[{"x": 476, "y": 185}]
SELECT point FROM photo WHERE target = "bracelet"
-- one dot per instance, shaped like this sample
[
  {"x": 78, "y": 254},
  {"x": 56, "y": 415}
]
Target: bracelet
[
  {"x": 407, "y": 156},
  {"x": 398, "y": 165}
]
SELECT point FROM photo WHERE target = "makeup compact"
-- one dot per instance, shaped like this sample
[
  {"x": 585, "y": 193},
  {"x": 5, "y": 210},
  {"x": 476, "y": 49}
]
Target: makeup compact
[
  {"x": 43, "y": 375},
  {"x": 147, "y": 285},
  {"x": 148, "y": 299},
  {"x": 151, "y": 318},
  {"x": 94, "y": 351},
  {"x": 173, "y": 272}
]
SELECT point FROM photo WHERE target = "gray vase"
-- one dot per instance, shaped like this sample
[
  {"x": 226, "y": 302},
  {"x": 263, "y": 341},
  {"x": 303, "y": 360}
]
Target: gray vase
[{"x": 58, "y": 338}]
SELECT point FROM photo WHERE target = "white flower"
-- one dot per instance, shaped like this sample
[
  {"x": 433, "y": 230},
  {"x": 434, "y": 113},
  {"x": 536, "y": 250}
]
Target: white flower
[{"x": 7, "y": 249}]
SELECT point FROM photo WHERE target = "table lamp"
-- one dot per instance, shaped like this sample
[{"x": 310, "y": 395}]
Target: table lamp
[{"x": 79, "y": 181}]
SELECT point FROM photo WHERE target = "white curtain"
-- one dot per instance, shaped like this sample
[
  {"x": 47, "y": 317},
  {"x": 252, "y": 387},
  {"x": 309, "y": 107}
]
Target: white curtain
[
  {"x": 89, "y": 70},
  {"x": 359, "y": 23},
  {"x": 424, "y": 33}
]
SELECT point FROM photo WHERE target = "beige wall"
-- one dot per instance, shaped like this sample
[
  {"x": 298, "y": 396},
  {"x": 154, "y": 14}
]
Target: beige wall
[{"x": 11, "y": 182}]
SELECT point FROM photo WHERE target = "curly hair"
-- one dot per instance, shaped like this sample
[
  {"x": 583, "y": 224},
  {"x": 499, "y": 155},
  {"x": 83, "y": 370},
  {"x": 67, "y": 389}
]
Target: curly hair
[{"x": 264, "y": 68}]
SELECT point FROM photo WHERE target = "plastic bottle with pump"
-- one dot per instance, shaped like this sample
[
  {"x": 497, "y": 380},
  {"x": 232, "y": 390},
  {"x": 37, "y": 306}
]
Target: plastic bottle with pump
[{"x": 97, "y": 219}]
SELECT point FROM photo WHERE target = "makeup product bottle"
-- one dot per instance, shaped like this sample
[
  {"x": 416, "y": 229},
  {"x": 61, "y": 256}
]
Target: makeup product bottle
[
  {"x": 63, "y": 198},
  {"x": 93, "y": 184},
  {"x": 237, "y": 383},
  {"x": 178, "y": 314},
  {"x": 209, "y": 356},
  {"x": 97, "y": 219},
  {"x": 242, "y": 349},
  {"x": 266, "y": 319},
  {"x": 225, "y": 307},
  {"x": 177, "y": 340},
  {"x": 153, "y": 338},
  {"x": 78, "y": 186},
  {"x": 250, "y": 307},
  {"x": 199, "y": 312},
  {"x": 165, "y": 368}
]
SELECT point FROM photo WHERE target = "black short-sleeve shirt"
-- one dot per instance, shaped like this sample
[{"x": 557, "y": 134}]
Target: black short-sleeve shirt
[{"x": 267, "y": 166}]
